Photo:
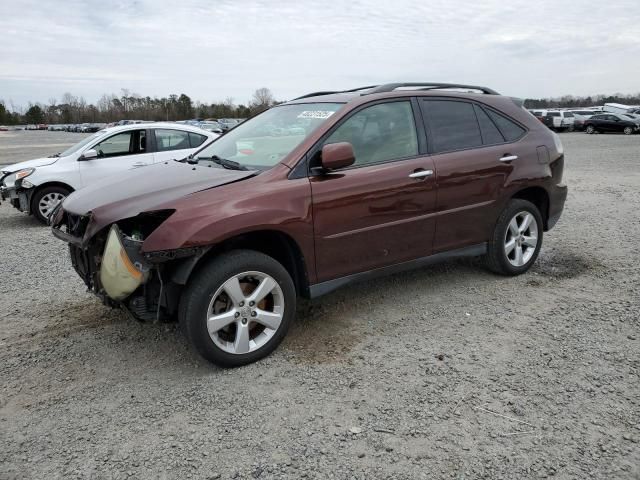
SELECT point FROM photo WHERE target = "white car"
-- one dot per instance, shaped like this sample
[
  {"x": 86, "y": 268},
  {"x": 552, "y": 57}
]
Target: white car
[{"x": 38, "y": 186}]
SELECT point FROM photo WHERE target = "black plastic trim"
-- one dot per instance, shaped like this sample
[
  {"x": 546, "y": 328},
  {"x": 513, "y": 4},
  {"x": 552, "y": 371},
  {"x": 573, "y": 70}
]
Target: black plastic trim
[{"x": 323, "y": 288}]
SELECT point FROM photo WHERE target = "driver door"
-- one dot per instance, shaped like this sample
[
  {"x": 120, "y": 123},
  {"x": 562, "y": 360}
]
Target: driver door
[{"x": 118, "y": 153}]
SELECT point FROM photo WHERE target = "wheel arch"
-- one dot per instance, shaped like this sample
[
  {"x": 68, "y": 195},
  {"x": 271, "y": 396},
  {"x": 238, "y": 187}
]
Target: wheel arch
[
  {"x": 540, "y": 198},
  {"x": 274, "y": 243},
  {"x": 42, "y": 186}
]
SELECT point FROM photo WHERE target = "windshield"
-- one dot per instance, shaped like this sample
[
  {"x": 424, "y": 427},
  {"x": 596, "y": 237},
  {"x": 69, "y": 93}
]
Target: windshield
[
  {"x": 265, "y": 140},
  {"x": 78, "y": 146}
]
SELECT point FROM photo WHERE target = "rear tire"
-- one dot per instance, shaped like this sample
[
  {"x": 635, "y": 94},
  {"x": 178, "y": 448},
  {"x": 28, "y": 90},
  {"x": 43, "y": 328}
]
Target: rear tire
[
  {"x": 628, "y": 130},
  {"x": 516, "y": 239},
  {"x": 590, "y": 129},
  {"x": 45, "y": 200},
  {"x": 226, "y": 318}
]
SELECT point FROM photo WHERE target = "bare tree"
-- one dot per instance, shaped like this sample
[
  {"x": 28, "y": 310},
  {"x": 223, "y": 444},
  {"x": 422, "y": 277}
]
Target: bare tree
[{"x": 261, "y": 100}]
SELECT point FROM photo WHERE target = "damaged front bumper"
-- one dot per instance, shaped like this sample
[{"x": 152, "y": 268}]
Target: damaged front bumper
[
  {"x": 20, "y": 198},
  {"x": 123, "y": 268},
  {"x": 114, "y": 267}
]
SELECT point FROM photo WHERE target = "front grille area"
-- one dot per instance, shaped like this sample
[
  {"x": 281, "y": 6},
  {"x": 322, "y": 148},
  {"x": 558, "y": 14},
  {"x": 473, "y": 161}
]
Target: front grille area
[{"x": 76, "y": 224}]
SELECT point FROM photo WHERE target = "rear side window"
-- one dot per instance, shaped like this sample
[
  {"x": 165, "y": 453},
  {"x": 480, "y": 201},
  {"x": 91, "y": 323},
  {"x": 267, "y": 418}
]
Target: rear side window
[
  {"x": 568, "y": 115},
  {"x": 510, "y": 130},
  {"x": 196, "y": 140},
  {"x": 554, "y": 114},
  {"x": 453, "y": 125},
  {"x": 172, "y": 140},
  {"x": 490, "y": 133}
]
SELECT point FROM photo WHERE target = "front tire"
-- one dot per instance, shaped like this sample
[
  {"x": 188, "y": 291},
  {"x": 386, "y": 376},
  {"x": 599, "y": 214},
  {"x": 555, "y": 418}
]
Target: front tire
[
  {"x": 46, "y": 200},
  {"x": 238, "y": 308},
  {"x": 590, "y": 129},
  {"x": 516, "y": 239}
]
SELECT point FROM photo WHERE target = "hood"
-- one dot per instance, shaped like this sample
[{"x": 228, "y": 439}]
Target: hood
[
  {"x": 38, "y": 162},
  {"x": 130, "y": 193}
]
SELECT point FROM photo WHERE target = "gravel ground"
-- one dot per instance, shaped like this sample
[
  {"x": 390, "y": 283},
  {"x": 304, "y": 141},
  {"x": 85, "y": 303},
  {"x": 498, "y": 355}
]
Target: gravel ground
[
  {"x": 19, "y": 145},
  {"x": 445, "y": 372}
]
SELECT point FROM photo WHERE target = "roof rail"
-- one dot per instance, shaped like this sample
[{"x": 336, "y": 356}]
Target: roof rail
[
  {"x": 390, "y": 87},
  {"x": 314, "y": 94},
  {"x": 318, "y": 94}
]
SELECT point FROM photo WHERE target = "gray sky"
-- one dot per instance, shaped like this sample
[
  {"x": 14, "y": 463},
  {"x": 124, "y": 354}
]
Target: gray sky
[{"x": 213, "y": 49}]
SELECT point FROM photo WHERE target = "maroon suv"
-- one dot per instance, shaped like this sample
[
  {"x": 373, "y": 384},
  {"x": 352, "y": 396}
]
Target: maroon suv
[{"x": 321, "y": 191}]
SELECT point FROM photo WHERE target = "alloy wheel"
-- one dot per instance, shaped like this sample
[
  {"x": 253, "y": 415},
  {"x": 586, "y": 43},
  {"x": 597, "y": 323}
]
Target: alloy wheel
[
  {"x": 628, "y": 130},
  {"x": 590, "y": 129},
  {"x": 521, "y": 239},
  {"x": 49, "y": 202},
  {"x": 245, "y": 312}
]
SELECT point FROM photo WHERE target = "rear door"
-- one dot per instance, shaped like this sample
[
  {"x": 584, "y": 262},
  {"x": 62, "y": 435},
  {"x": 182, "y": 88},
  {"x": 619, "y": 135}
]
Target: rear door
[
  {"x": 379, "y": 211},
  {"x": 176, "y": 144},
  {"x": 471, "y": 156},
  {"x": 117, "y": 153}
]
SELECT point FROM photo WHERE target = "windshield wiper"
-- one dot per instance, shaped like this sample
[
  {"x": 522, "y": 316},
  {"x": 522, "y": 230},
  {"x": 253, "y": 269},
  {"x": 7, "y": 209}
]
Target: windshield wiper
[
  {"x": 55, "y": 155},
  {"x": 225, "y": 163}
]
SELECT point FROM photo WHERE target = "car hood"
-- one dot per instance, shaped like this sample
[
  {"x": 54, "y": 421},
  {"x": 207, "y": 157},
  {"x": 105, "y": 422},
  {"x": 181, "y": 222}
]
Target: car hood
[
  {"x": 38, "y": 162},
  {"x": 144, "y": 189}
]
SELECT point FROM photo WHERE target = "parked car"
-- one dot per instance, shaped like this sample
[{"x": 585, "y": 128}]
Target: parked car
[
  {"x": 379, "y": 180},
  {"x": 611, "y": 122},
  {"x": 214, "y": 127},
  {"x": 38, "y": 186},
  {"x": 580, "y": 117}
]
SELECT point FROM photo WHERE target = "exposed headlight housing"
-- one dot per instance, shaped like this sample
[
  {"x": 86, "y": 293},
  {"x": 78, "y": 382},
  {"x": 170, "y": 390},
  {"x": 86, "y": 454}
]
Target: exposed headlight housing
[{"x": 24, "y": 173}]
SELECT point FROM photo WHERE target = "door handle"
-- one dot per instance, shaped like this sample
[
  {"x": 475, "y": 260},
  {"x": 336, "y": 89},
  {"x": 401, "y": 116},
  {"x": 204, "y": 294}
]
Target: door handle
[
  {"x": 421, "y": 174},
  {"x": 140, "y": 164},
  {"x": 508, "y": 158}
]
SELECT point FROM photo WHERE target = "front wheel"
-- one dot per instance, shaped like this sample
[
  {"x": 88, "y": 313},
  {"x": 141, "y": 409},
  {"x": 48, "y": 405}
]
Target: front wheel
[
  {"x": 590, "y": 129},
  {"x": 238, "y": 307},
  {"x": 46, "y": 200},
  {"x": 516, "y": 239}
]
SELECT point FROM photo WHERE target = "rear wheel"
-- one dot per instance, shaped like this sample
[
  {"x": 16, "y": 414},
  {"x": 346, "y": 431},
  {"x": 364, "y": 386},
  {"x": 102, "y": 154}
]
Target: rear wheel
[
  {"x": 516, "y": 239},
  {"x": 628, "y": 130},
  {"x": 590, "y": 129},
  {"x": 238, "y": 308},
  {"x": 46, "y": 200}
]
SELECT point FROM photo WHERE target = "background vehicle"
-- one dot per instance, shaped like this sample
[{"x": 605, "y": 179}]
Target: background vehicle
[
  {"x": 557, "y": 120},
  {"x": 354, "y": 184},
  {"x": 38, "y": 186},
  {"x": 214, "y": 127},
  {"x": 610, "y": 123},
  {"x": 618, "y": 108}
]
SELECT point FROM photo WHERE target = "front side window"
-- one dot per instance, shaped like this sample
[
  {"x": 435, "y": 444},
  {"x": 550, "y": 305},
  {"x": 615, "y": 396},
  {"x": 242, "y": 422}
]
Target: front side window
[
  {"x": 453, "y": 125},
  {"x": 263, "y": 141},
  {"x": 125, "y": 143},
  {"x": 379, "y": 133}
]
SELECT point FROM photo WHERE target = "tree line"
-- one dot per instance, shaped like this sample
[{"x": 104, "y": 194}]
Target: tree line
[{"x": 131, "y": 106}]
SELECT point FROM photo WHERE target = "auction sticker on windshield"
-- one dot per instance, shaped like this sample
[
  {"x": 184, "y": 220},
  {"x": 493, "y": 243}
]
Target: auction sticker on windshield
[{"x": 322, "y": 114}]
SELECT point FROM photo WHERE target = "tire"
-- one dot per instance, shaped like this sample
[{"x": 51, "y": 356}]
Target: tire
[
  {"x": 590, "y": 129},
  {"x": 499, "y": 258},
  {"x": 628, "y": 130},
  {"x": 206, "y": 297},
  {"x": 45, "y": 200}
]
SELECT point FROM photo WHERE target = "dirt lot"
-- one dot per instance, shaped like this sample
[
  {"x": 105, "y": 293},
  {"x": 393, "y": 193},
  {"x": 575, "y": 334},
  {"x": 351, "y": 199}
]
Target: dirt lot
[
  {"x": 444, "y": 372},
  {"x": 19, "y": 145}
]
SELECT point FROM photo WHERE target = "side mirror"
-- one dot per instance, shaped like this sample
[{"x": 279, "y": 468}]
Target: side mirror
[
  {"x": 337, "y": 155},
  {"x": 88, "y": 155}
]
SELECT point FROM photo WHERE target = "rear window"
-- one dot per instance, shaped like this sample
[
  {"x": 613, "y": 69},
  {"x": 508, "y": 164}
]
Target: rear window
[
  {"x": 510, "y": 130},
  {"x": 553, "y": 114},
  {"x": 453, "y": 125}
]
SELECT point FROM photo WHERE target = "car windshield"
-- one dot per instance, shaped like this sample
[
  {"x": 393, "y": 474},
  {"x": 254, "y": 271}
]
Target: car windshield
[
  {"x": 78, "y": 146},
  {"x": 265, "y": 140}
]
